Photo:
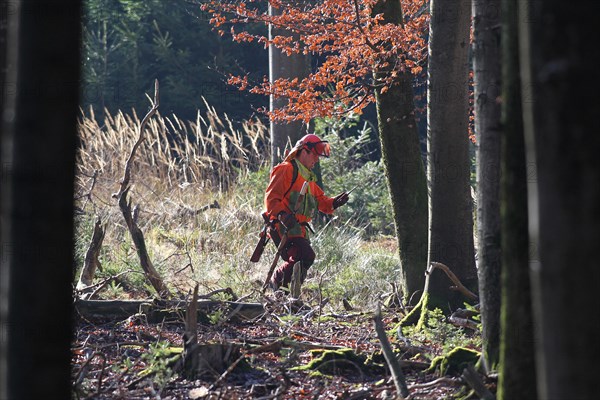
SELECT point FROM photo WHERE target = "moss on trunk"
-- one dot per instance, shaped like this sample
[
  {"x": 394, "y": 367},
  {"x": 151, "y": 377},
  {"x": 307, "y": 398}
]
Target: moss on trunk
[{"x": 405, "y": 172}]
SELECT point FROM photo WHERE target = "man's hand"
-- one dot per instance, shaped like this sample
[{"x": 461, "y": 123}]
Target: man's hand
[
  {"x": 340, "y": 200},
  {"x": 287, "y": 220}
]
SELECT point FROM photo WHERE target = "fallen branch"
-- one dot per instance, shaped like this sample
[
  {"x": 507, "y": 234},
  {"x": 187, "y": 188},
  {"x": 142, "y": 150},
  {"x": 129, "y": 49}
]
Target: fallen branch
[
  {"x": 459, "y": 286},
  {"x": 463, "y": 322},
  {"x": 474, "y": 380},
  {"x": 443, "y": 381},
  {"x": 227, "y": 291},
  {"x": 105, "y": 282},
  {"x": 159, "y": 310},
  {"x": 390, "y": 358}
]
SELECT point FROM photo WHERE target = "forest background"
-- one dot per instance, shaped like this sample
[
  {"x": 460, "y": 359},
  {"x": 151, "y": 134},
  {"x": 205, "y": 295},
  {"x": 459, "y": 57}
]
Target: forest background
[{"x": 559, "y": 200}]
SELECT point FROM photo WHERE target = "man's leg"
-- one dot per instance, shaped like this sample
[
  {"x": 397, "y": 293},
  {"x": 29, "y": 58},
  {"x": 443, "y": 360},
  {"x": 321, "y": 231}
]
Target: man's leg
[{"x": 298, "y": 250}]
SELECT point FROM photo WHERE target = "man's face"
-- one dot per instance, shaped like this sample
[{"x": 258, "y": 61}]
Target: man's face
[{"x": 308, "y": 158}]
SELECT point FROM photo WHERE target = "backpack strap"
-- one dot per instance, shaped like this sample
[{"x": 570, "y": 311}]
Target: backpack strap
[{"x": 294, "y": 177}]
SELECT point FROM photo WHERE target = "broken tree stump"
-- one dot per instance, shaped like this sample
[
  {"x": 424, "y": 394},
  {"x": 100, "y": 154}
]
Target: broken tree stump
[{"x": 92, "y": 261}]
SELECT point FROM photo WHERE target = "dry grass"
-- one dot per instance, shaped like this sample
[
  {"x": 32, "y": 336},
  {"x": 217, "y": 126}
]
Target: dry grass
[
  {"x": 180, "y": 168},
  {"x": 210, "y": 151}
]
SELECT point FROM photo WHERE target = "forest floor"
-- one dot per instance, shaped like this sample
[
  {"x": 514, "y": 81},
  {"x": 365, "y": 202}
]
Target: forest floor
[{"x": 133, "y": 359}]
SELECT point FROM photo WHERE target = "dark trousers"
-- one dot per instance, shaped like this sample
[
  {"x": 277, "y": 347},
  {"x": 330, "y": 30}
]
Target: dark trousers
[{"x": 297, "y": 249}]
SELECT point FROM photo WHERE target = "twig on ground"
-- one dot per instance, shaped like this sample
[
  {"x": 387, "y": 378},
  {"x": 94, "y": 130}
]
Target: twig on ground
[
  {"x": 463, "y": 322},
  {"x": 97, "y": 287},
  {"x": 390, "y": 358},
  {"x": 443, "y": 381}
]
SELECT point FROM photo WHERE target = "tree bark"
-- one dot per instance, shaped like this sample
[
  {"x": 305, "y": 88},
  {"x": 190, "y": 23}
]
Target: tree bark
[
  {"x": 517, "y": 364},
  {"x": 450, "y": 207},
  {"x": 405, "y": 173},
  {"x": 282, "y": 66},
  {"x": 487, "y": 72},
  {"x": 38, "y": 143},
  {"x": 559, "y": 66}
]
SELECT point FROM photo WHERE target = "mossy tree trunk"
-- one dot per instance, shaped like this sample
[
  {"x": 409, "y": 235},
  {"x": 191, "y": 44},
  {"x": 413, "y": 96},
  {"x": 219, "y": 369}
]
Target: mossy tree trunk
[
  {"x": 517, "y": 364},
  {"x": 404, "y": 168},
  {"x": 486, "y": 67},
  {"x": 450, "y": 203},
  {"x": 559, "y": 66},
  {"x": 38, "y": 143},
  {"x": 284, "y": 66}
]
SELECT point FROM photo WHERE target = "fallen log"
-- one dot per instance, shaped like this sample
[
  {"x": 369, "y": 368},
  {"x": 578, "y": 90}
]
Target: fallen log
[{"x": 157, "y": 311}]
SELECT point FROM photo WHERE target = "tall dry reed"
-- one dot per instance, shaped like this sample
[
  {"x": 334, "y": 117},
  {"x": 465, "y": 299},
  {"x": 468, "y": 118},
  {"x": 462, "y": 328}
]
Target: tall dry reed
[{"x": 210, "y": 151}]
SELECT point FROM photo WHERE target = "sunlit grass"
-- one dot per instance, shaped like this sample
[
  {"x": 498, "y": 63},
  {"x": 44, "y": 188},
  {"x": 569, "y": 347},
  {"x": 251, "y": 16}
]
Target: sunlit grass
[{"x": 178, "y": 171}]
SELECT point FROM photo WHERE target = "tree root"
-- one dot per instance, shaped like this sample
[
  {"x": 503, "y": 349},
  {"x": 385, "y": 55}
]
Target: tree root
[{"x": 419, "y": 314}]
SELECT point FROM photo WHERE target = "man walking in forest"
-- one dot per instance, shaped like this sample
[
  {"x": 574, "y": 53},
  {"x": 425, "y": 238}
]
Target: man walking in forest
[{"x": 289, "y": 210}]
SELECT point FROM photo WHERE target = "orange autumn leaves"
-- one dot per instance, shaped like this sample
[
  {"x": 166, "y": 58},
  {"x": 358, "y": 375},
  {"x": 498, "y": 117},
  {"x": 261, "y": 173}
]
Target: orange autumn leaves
[{"x": 347, "y": 39}]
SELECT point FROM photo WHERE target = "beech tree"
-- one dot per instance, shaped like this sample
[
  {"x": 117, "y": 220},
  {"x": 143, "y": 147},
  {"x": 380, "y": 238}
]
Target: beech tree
[
  {"x": 368, "y": 51},
  {"x": 38, "y": 164},
  {"x": 486, "y": 77},
  {"x": 284, "y": 66},
  {"x": 450, "y": 207},
  {"x": 404, "y": 167}
]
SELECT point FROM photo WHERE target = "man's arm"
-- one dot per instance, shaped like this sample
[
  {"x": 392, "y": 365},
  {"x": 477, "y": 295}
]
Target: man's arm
[{"x": 324, "y": 203}]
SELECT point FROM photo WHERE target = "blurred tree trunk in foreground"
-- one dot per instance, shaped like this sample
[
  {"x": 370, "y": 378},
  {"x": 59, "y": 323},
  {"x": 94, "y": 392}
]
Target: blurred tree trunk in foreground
[
  {"x": 517, "y": 364},
  {"x": 38, "y": 143},
  {"x": 561, "y": 81}
]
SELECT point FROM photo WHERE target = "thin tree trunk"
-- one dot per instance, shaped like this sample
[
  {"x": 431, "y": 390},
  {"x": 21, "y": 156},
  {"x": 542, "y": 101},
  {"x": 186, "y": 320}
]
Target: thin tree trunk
[
  {"x": 405, "y": 173},
  {"x": 487, "y": 71},
  {"x": 559, "y": 66},
  {"x": 282, "y": 66},
  {"x": 37, "y": 207},
  {"x": 450, "y": 207},
  {"x": 517, "y": 364}
]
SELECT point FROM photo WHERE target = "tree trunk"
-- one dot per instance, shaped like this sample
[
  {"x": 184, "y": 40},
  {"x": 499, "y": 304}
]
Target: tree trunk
[
  {"x": 559, "y": 65},
  {"x": 487, "y": 70},
  {"x": 7, "y": 32},
  {"x": 282, "y": 66},
  {"x": 38, "y": 137},
  {"x": 405, "y": 173},
  {"x": 450, "y": 207},
  {"x": 517, "y": 364}
]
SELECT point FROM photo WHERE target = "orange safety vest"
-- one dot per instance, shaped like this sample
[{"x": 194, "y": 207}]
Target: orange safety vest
[{"x": 283, "y": 191}]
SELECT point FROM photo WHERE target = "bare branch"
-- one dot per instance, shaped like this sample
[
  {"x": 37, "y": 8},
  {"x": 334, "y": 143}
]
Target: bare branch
[{"x": 459, "y": 286}]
